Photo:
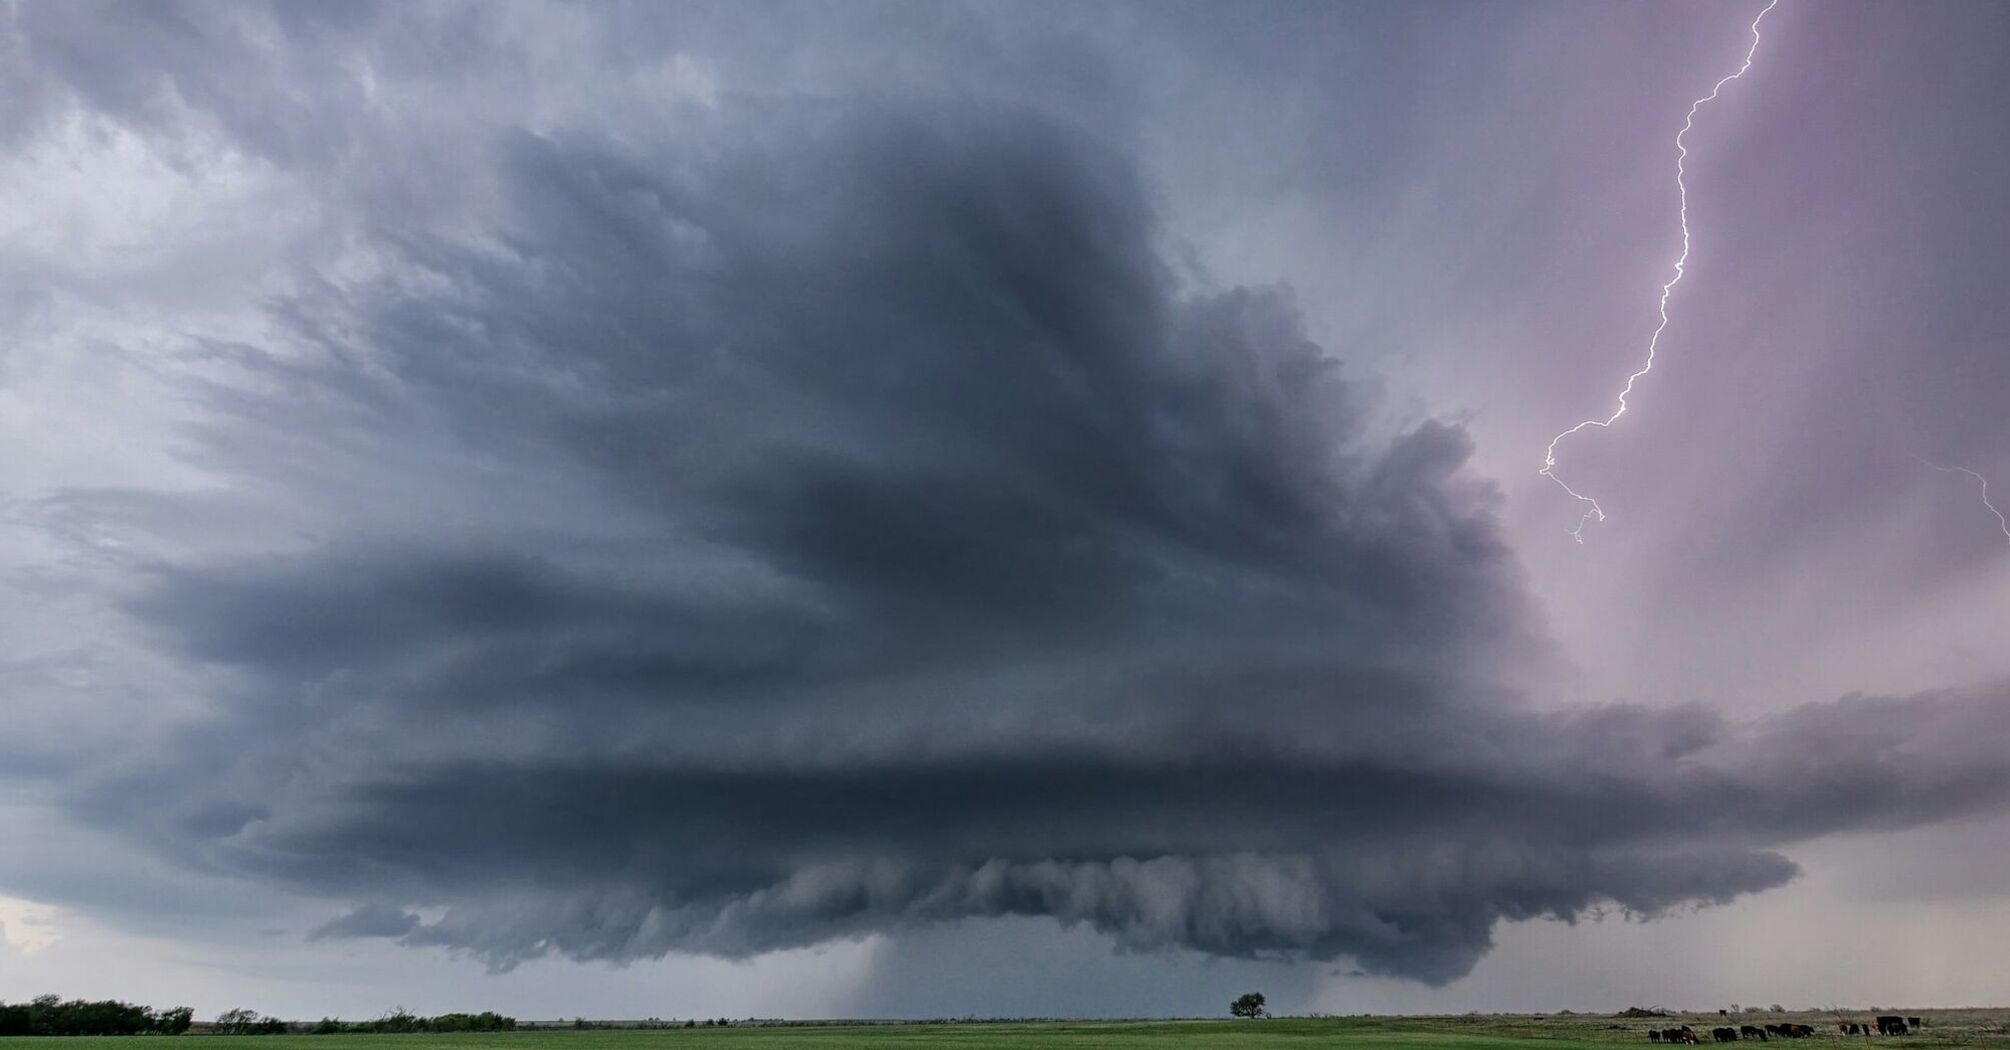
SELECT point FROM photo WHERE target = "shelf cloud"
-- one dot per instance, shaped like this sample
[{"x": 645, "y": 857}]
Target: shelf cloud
[{"x": 787, "y": 519}]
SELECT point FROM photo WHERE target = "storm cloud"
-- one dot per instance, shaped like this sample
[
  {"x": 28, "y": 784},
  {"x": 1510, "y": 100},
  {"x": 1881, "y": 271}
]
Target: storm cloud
[{"x": 803, "y": 518}]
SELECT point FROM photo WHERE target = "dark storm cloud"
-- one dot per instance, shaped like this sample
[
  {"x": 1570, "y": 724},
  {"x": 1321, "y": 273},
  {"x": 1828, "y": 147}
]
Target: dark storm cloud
[{"x": 826, "y": 517}]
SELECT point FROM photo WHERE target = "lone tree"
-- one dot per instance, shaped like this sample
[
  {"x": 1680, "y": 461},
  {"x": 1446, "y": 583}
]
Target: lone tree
[{"x": 1249, "y": 1004}]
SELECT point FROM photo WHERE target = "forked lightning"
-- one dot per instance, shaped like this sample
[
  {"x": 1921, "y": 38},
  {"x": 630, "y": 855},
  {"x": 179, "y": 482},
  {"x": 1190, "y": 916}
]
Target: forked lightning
[
  {"x": 2001, "y": 521},
  {"x": 1594, "y": 512}
]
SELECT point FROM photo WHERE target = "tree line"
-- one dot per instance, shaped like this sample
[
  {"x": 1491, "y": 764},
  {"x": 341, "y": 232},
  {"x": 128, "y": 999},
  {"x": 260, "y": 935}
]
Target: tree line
[
  {"x": 401, "y": 1020},
  {"x": 54, "y": 1015}
]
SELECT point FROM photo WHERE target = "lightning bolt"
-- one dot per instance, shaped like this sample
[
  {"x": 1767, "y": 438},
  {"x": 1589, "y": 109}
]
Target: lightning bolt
[
  {"x": 1592, "y": 511},
  {"x": 1982, "y": 481}
]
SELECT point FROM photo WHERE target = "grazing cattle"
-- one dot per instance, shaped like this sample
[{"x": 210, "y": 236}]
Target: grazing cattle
[
  {"x": 1752, "y": 1032},
  {"x": 1914, "y": 1023},
  {"x": 1890, "y": 1024},
  {"x": 1654, "y": 1035},
  {"x": 1724, "y": 1035}
]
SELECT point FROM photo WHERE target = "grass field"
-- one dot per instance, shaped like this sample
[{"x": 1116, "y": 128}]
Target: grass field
[{"x": 1968, "y": 1028}]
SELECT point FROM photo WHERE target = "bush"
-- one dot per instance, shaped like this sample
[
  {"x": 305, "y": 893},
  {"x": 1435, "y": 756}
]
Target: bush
[
  {"x": 248, "y": 1022},
  {"x": 397, "y": 1022},
  {"x": 175, "y": 1021},
  {"x": 486, "y": 1021}
]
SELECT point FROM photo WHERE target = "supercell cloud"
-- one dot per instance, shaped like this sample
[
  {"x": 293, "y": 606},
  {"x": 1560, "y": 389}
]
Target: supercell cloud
[{"x": 778, "y": 518}]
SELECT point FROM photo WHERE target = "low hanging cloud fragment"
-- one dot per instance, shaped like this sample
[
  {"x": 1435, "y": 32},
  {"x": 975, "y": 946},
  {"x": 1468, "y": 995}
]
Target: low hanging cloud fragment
[{"x": 367, "y": 920}]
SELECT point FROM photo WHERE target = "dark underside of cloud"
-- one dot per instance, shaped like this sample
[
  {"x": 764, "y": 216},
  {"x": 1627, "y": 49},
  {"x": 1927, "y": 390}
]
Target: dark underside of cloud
[{"x": 762, "y": 537}]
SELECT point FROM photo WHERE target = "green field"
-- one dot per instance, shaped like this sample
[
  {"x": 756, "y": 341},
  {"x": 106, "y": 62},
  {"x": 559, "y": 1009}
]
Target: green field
[{"x": 1970, "y": 1028}]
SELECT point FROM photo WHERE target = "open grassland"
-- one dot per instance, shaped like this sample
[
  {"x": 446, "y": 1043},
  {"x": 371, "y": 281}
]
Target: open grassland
[{"x": 1945, "y": 1028}]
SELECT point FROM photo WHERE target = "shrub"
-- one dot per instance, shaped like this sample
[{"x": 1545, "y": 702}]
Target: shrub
[{"x": 248, "y": 1022}]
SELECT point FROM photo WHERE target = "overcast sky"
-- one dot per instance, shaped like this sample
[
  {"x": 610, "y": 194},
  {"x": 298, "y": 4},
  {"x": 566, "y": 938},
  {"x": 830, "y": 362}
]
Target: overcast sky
[{"x": 921, "y": 509}]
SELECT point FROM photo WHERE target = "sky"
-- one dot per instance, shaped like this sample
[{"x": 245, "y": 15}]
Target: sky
[{"x": 901, "y": 509}]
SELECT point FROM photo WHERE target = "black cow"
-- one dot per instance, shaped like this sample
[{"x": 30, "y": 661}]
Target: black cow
[
  {"x": 1724, "y": 1035},
  {"x": 1890, "y": 1024},
  {"x": 1751, "y": 1031},
  {"x": 1914, "y": 1022},
  {"x": 1654, "y": 1035}
]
